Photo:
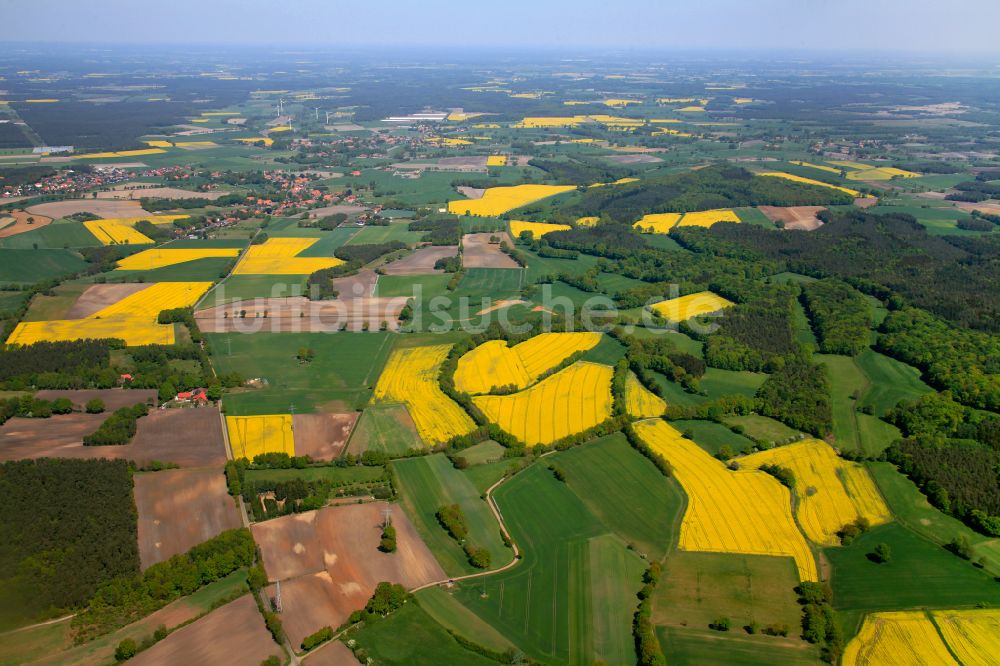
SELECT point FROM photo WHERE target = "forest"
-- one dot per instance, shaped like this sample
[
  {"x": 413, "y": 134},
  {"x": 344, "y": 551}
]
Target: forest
[{"x": 69, "y": 526}]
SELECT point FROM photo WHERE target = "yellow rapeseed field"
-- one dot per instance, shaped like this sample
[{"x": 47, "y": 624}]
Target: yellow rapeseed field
[
  {"x": 499, "y": 200},
  {"x": 121, "y": 153},
  {"x": 448, "y": 141},
  {"x": 881, "y": 173},
  {"x": 456, "y": 117},
  {"x": 688, "y": 109},
  {"x": 160, "y": 257},
  {"x": 111, "y": 232},
  {"x": 640, "y": 402},
  {"x": 493, "y": 363},
  {"x": 692, "y": 305},
  {"x": 618, "y": 103},
  {"x": 132, "y": 319},
  {"x": 553, "y": 121},
  {"x": 266, "y": 140},
  {"x": 272, "y": 130},
  {"x": 411, "y": 377},
  {"x": 809, "y": 181},
  {"x": 152, "y": 219},
  {"x": 905, "y": 638},
  {"x": 496, "y": 160},
  {"x": 538, "y": 229},
  {"x": 251, "y": 436},
  {"x": 821, "y": 167},
  {"x": 278, "y": 256},
  {"x": 159, "y": 144},
  {"x": 855, "y": 166},
  {"x": 831, "y": 491},
  {"x": 707, "y": 218},
  {"x": 570, "y": 401},
  {"x": 590, "y": 221},
  {"x": 729, "y": 511},
  {"x": 675, "y": 100},
  {"x": 973, "y": 635},
  {"x": 657, "y": 223}
]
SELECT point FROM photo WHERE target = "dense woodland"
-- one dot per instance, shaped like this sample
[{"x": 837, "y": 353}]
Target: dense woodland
[
  {"x": 68, "y": 526},
  {"x": 840, "y": 316}
]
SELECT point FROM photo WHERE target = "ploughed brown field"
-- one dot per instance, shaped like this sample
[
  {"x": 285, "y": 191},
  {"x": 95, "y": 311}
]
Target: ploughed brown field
[
  {"x": 333, "y": 653},
  {"x": 322, "y": 436},
  {"x": 106, "y": 208},
  {"x": 186, "y": 437},
  {"x": 299, "y": 314},
  {"x": 478, "y": 252},
  {"x": 231, "y": 634},
  {"x": 421, "y": 262},
  {"x": 180, "y": 508},
  {"x": 21, "y": 223},
  {"x": 99, "y": 296},
  {"x": 802, "y": 218},
  {"x": 328, "y": 562}
]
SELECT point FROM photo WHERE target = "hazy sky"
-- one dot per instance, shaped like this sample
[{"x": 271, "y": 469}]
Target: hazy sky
[{"x": 908, "y": 25}]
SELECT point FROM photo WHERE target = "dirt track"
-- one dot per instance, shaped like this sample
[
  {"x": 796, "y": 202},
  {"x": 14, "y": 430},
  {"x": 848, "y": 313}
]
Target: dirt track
[
  {"x": 322, "y": 436},
  {"x": 180, "y": 508},
  {"x": 232, "y": 634},
  {"x": 421, "y": 262},
  {"x": 478, "y": 252},
  {"x": 329, "y": 564},
  {"x": 801, "y": 218}
]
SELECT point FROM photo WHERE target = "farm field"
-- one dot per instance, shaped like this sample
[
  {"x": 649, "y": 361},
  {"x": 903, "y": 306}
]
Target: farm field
[
  {"x": 944, "y": 636},
  {"x": 385, "y": 428},
  {"x": 132, "y": 319},
  {"x": 640, "y": 402},
  {"x": 693, "y": 305},
  {"x": 569, "y": 402},
  {"x": 499, "y": 200},
  {"x": 166, "y": 500},
  {"x": 328, "y": 562},
  {"x": 345, "y": 366},
  {"x": 158, "y": 258},
  {"x": 495, "y": 364},
  {"x": 250, "y": 436},
  {"x": 29, "y": 266},
  {"x": 410, "y": 378},
  {"x": 573, "y": 569},
  {"x": 735, "y": 512},
  {"x": 705, "y": 648},
  {"x": 233, "y": 632},
  {"x": 853, "y": 429},
  {"x": 831, "y": 492},
  {"x": 281, "y": 256},
  {"x": 430, "y": 482}
]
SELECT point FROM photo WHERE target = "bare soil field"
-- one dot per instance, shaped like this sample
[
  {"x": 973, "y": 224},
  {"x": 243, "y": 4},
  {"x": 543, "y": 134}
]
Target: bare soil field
[
  {"x": 334, "y": 653},
  {"x": 991, "y": 208},
  {"x": 187, "y": 437},
  {"x": 457, "y": 163},
  {"x": 21, "y": 223},
  {"x": 471, "y": 192},
  {"x": 478, "y": 252},
  {"x": 360, "y": 285},
  {"x": 333, "y": 210},
  {"x": 801, "y": 218},
  {"x": 132, "y": 192},
  {"x": 865, "y": 202},
  {"x": 322, "y": 436},
  {"x": 232, "y": 634},
  {"x": 421, "y": 262},
  {"x": 99, "y": 296},
  {"x": 168, "y": 503},
  {"x": 328, "y": 562},
  {"x": 102, "y": 207},
  {"x": 633, "y": 159},
  {"x": 299, "y": 314}
]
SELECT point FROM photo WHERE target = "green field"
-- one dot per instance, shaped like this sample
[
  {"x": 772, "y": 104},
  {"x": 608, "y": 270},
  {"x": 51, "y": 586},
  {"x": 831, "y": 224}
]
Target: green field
[
  {"x": 571, "y": 597},
  {"x": 541, "y": 267},
  {"x": 485, "y": 452},
  {"x": 853, "y": 429},
  {"x": 245, "y": 287},
  {"x": 713, "y": 436},
  {"x": 763, "y": 428},
  {"x": 608, "y": 351},
  {"x": 385, "y": 428},
  {"x": 697, "y": 588},
  {"x": 57, "y": 304},
  {"x": 403, "y": 285},
  {"x": 396, "y": 231},
  {"x": 207, "y": 269},
  {"x": 411, "y": 637},
  {"x": 750, "y": 215},
  {"x": 890, "y": 381},
  {"x": 26, "y": 266},
  {"x": 485, "y": 475},
  {"x": 686, "y": 647},
  {"x": 430, "y": 482},
  {"x": 447, "y": 611},
  {"x": 356, "y": 474},
  {"x": 920, "y": 574},
  {"x": 191, "y": 243},
  {"x": 345, "y": 368},
  {"x": 57, "y": 235},
  {"x": 625, "y": 491},
  {"x": 496, "y": 283},
  {"x": 911, "y": 508}
]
